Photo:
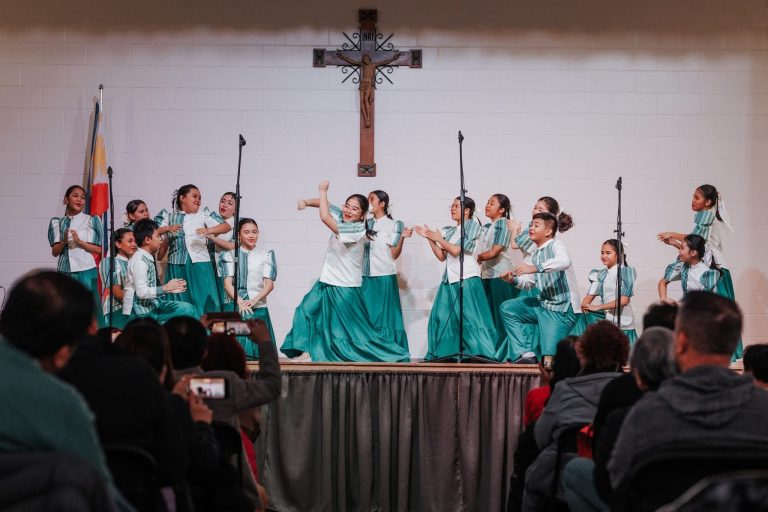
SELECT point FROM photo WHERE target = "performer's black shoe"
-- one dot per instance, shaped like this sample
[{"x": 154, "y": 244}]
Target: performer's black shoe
[{"x": 527, "y": 358}]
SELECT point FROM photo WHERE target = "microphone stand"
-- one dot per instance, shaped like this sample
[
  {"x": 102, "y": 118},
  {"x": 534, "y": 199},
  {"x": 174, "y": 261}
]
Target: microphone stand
[
  {"x": 460, "y": 356},
  {"x": 112, "y": 248},
  {"x": 619, "y": 257},
  {"x": 236, "y": 234}
]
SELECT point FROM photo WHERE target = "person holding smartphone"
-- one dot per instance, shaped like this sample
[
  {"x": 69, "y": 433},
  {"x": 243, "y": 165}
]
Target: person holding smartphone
[{"x": 189, "y": 341}]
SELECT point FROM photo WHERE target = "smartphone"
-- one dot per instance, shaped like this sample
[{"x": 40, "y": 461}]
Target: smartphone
[
  {"x": 229, "y": 322},
  {"x": 546, "y": 362},
  {"x": 214, "y": 388}
]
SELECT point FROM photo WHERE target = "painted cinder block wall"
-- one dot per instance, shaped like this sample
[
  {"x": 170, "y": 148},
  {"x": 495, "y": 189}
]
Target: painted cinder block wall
[{"x": 557, "y": 98}]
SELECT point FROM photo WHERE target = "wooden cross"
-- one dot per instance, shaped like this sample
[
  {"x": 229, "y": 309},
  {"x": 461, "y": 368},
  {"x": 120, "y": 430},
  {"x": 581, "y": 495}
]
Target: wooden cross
[{"x": 370, "y": 57}]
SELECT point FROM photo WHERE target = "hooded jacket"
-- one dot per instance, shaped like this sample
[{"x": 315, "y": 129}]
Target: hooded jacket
[{"x": 710, "y": 405}]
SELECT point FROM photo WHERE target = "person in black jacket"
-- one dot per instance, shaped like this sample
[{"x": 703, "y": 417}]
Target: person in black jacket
[
  {"x": 130, "y": 405},
  {"x": 586, "y": 482}
]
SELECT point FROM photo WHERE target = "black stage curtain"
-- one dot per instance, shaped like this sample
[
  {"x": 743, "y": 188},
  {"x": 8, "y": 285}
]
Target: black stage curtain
[{"x": 392, "y": 440}]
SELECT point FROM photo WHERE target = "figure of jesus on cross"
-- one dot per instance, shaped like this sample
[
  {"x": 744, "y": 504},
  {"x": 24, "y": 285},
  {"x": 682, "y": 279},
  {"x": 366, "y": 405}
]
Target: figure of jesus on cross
[
  {"x": 367, "y": 84},
  {"x": 367, "y": 52}
]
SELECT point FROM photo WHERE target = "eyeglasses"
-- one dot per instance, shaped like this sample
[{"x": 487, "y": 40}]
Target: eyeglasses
[{"x": 352, "y": 208}]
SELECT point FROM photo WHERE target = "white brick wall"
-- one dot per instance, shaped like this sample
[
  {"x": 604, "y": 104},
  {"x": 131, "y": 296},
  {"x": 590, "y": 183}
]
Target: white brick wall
[{"x": 554, "y": 98}]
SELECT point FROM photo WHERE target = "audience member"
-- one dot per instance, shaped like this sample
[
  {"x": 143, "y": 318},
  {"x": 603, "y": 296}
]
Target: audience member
[
  {"x": 46, "y": 313},
  {"x": 756, "y": 363},
  {"x": 130, "y": 405},
  {"x": 707, "y": 403},
  {"x": 212, "y": 484},
  {"x": 188, "y": 338},
  {"x": 565, "y": 364},
  {"x": 603, "y": 351},
  {"x": 660, "y": 314},
  {"x": 586, "y": 482},
  {"x": 226, "y": 353}
]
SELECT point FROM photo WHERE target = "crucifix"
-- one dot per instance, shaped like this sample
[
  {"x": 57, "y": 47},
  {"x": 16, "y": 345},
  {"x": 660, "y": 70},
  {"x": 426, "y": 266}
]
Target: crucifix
[{"x": 367, "y": 57}]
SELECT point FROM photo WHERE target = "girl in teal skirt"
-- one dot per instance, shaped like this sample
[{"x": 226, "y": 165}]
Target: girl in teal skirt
[
  {"x": 480, "y": 336},
  {"x": 380, "y": 288},
  {"x": 710, "y": 222},
  {"x": 602, "y": 283},
  {"x": 695, "y": 274},
  {"x": 223, "y": 243},
  {"x": 497, "y": 257},
  {"x": 125, "y": 246},
  {"x": 75, "y": 240},
  {"x": 332, "y": 323},
  {"x": 188, "y": 256},
  {"x": 256, "y": 275}
]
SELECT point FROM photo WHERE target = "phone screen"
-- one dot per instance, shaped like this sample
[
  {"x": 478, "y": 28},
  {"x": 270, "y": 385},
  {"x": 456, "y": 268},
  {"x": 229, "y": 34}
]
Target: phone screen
[
  {"x": 233, "y": 327},
  {"x": 209, "y": 387}
]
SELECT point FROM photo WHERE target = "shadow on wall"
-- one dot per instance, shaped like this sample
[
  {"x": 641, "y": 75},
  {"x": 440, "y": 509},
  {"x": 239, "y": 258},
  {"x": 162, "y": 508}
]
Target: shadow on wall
[{"x": 523, "y": 18}]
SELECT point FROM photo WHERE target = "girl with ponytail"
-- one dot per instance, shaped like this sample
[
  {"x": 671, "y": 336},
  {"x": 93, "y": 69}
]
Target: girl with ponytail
[
  {"x": 710, "y": 221},
  {"x": 496, "y": 257},
  {"x": 380, "y": 288},
  {"x": 690, "y": 269},
  {"x": 480, "y": 335}
]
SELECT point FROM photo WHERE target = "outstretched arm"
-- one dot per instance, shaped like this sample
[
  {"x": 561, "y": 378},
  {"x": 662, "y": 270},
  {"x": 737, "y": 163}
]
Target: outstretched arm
[
  {"x": 436, "y": 247},
  {"x": 348, "y": 60},
  {"x": 313, "y": 203}
]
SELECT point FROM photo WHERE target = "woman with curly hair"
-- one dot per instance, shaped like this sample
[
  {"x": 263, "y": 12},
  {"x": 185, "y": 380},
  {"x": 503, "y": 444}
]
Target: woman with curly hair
[{"x": 603, "y": 352}]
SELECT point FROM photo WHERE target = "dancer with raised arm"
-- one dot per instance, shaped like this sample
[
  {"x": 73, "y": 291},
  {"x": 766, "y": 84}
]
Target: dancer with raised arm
[{"x": 332, "y": 323}]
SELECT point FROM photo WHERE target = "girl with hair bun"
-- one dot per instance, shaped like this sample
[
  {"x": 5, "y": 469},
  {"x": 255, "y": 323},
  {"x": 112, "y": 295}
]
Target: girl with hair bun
[
  {"x": 188, "y": 256},
  {"x": 496, "y": 257},
  {"x": 380, "y": 288},
  {"x": 602, "y": 283},
  {"x": 544, "y": 204},
  {"x": 480, "y": 335},
  {"x": 331, "y": 323}
]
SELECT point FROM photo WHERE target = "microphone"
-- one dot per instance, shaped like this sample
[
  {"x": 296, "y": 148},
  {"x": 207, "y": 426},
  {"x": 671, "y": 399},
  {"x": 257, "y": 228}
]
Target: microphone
[
  {"x": 109, "y": 171},
  {"x": 242, "y": 141},
  {"x": 618, "y": 183},
  {"x": 461, "y": 137}
]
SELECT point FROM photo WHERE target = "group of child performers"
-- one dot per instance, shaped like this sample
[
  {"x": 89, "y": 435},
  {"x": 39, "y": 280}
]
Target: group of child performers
[{"x": 519, "y": 288}]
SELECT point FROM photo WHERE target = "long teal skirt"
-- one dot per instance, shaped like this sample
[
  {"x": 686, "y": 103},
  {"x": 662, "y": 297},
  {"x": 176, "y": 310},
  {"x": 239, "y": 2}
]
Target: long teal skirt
[
  {"x": 725, "y": 289},
  {"x": 90, "y": 279},
  {"x": 587, "y": 319},
  {"x": 382, "y": 300},
  {"x": 332, "y": 324},
  {"x": 250, "y": 347},
  {"x": 202, "y": 291},
  {"x": 480, "y": 336},
  {"x": 497, "y": 291}
]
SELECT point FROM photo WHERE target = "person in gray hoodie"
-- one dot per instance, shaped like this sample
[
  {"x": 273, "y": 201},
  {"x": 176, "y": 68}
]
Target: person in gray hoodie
[
  {"x": 707, "y": 403},
  {"x": 603, "y": 350}
]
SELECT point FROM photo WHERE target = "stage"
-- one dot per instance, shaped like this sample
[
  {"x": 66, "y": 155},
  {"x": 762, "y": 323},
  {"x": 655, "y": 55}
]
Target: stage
[{"x": 417, "y": 436}]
